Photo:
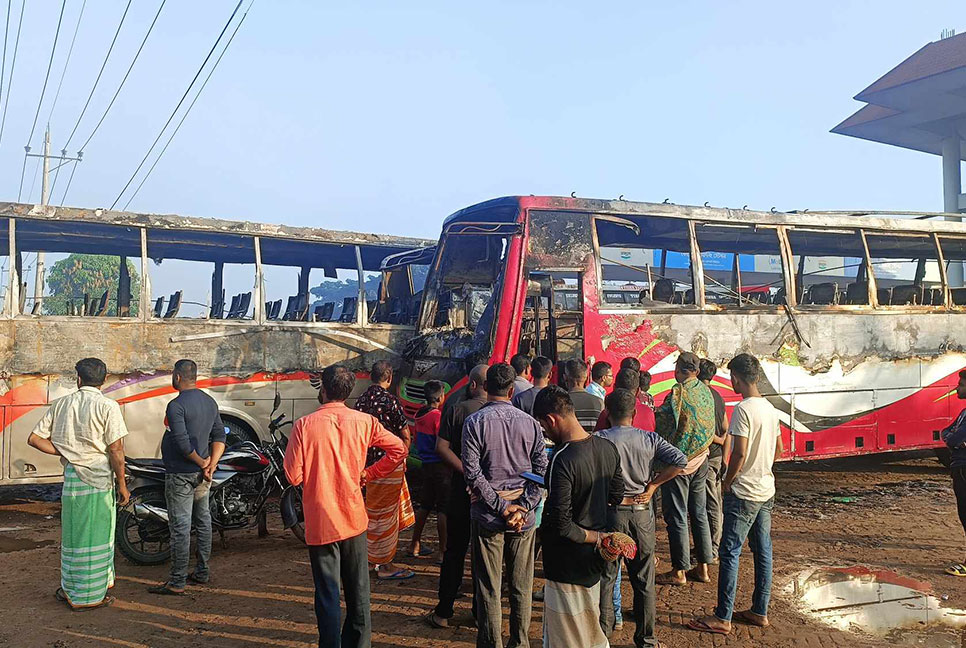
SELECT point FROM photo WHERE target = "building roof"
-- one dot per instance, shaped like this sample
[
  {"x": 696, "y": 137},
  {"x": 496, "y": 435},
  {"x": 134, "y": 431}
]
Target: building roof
[{"x": 918, "y": 103}]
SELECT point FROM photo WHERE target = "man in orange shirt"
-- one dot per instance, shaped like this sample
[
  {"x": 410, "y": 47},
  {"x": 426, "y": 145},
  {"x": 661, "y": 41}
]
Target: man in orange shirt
[{"x": 327, "y": 456}]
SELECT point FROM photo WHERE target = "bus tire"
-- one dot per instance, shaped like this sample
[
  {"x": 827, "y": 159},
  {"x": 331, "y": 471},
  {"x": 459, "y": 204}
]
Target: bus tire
[
  {"x": 238, "y": 432},
  {"x": 945, "y": 456}
]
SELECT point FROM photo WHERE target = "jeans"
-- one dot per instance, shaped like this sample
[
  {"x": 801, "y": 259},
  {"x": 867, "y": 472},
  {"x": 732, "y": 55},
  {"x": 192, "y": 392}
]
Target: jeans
[
  {"x": 638, "y": 523},
  {"x": 345, "y": 562},
  {"x": 959, "y": 488},
  {"x": 681, "y": 495},
  {"x": 186, "y": 496},
  {"x": 491, "y": 550},
  {"x": 752, "y": 520},
  {"x": 454, "y": 555},
  {"x": 618, "y": 601},
  {"x": 715, "y": 475}
]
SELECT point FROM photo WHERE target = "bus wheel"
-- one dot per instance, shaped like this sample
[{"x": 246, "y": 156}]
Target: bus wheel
[
  {"x": 238, "y": 432},
  {"x": 944, "y": 456}
]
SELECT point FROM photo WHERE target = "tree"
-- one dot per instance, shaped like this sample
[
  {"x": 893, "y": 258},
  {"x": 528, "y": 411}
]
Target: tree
[{"x": 88, "y": 274}]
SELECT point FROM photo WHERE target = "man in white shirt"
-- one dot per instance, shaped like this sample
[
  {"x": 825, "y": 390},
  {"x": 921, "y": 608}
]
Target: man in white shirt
[
  {"x": 86, "y": 431},
  {"x": 749, "y": 494}
]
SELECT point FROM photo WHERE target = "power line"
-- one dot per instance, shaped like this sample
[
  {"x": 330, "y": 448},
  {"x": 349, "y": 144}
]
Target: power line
[
  {"x": 13, "y": 64},
  {"x": 100, "y": 72},
  {"x": 130, "y": 67},
  {"x": 190, "y": 106},
  {"x": 40, "y": 103},
  {"x": 50, "y": 64},
  {"x": 69, "y": 181},
  {"x": 181, "y": 101},
  {"x": 70, "y": 50},
  {"x": 6, "y": 31}
]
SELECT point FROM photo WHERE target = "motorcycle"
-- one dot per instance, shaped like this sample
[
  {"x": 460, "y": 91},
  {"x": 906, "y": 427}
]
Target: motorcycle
[{"x": 247, "y": 476}]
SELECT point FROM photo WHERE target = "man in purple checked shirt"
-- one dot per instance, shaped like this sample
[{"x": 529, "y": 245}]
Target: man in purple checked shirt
[{"x": 500, "y": 443}]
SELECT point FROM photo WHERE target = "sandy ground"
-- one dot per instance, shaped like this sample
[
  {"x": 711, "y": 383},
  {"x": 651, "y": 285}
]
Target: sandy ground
[{"x": 896, "y": 516}]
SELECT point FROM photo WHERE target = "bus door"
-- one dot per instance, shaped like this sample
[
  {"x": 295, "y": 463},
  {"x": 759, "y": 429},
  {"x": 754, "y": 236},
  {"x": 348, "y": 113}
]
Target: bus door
[{"x": 553, "y": 319}]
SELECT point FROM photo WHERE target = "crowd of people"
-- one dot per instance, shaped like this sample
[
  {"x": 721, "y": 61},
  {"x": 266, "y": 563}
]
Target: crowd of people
[{"x": 515, "y": 467}]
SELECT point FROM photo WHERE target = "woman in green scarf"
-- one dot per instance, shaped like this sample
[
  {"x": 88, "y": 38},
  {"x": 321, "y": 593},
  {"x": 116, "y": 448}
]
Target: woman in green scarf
[{"x": 686, "y": 420}]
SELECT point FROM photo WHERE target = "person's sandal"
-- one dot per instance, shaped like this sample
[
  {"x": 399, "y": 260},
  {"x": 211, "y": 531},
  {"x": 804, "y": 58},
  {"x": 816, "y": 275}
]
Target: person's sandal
[
  {"x": 433, "y": 620},
  {"x": 164, "y": 590},
  {"x": 194, "y": 580},
  {"x": 956, "y": 570}
]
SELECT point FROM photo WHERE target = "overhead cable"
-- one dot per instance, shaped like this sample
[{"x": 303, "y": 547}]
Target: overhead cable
[
  {"x": 70, "y": 50},
  {"x": 43, "y": 91},
  {"x": 190, "y": 106},
  {"x": 13, "y": 63},
  {"x": 177, "y": 107},
  {"x": 100, "y": 72}
]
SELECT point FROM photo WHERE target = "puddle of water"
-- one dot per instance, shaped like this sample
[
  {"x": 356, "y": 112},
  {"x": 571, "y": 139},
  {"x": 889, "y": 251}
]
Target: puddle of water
[
  {"x": 880, "y": 603},
  {"x": 8, "y": 545}
]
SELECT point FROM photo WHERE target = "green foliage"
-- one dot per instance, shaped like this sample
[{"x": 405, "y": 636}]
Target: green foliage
[{"x": 69, "y": 279}]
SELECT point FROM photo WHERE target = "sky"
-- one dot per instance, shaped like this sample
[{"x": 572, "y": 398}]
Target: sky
[{"x": 386, "y": 116}]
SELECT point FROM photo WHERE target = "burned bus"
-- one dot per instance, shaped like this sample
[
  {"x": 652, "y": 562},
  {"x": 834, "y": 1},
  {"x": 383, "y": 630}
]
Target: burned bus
[
  {"x": 141, "y": 291},
  {"x": 853, "y": 315}
]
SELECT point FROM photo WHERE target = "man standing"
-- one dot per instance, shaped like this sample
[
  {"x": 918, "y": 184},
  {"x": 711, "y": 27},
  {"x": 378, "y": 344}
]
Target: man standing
[
  {"x": 327, "y": 457},
  {"x": 686, "y": 420},
  {"x": 521, "y": 365},
  {"x": 86, "y": 430},
  {"x": 449, "y": 445},
  {"x": 388, "y": 502},
  {"x": 749, "y": 488},
  {"x": 191, "y": 447},
  {"x": 630, "y": 380},
  {"x": 707, "y": 372},
  {"x": 583, "y": 479},
  {"x": 955, "y": 438},
  {"x": 500, "y": 443},
  {"x": 540, "y": 370},
  {"x": 601, "y": 377},
  {"x": 572, "y": 376},
  {"x": 638, "y": 450}
]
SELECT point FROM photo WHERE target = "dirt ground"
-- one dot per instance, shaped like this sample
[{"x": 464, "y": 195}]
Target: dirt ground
[{"x": 898, "y": 516}]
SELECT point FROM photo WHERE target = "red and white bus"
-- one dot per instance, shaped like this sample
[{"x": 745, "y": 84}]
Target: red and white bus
[{"x": 852, "y": 315}]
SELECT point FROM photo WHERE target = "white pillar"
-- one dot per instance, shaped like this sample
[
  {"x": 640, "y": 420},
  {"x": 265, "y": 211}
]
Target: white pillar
[{"x": 952, "y": 187}]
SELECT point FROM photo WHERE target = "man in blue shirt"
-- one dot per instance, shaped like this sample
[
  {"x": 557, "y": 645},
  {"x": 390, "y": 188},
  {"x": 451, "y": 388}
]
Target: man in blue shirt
[
  {"x": 638, "y": 451},
  {"x": 500, "y": 443},
  {"x": 955, "y": 438},
  {"x": 193, "y": 441}
]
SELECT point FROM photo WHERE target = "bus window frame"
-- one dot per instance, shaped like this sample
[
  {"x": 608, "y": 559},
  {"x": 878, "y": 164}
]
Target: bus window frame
[
  {"x": 697, "y": 278},
  {"x": 11, "y": 307},
  {"x": 873, "y": 282},
  {"x": 792, "y": 279},
  {"x": 744, "y": 306}
]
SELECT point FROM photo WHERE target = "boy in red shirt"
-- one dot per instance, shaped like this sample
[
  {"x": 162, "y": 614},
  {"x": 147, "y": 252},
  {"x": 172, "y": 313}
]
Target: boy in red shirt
[{"x": 435, "y": 473}]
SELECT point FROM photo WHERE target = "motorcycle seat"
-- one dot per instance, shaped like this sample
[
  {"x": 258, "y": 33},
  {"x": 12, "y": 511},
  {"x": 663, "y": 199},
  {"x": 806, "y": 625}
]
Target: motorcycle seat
[{"x": 145, "y": 463}]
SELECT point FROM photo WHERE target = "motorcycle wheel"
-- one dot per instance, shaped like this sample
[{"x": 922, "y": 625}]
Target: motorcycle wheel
[
  {"x": 143, "y": 542},
  {"x": 293, "y": 496}
]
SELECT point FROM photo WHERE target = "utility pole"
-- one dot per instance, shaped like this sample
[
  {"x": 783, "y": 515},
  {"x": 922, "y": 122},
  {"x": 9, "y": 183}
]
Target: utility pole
[{"x": 44, "y": 200}]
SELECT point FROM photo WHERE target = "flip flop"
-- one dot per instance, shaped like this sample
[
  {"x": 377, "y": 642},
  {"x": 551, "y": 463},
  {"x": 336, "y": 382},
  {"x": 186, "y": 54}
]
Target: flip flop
[
  {"x": 701, "y": 626},
  {"x": 164, "y": 590},
  {"x": 956, "y": 570},
  {"x": 107, "y": 602},
  {"x": 423, "y": 552},
  {"x": 692, "y": 575},
  {"x": 61, "y": 595},
  {"x": 194, "y": 580},
  {"x": 433, "y": 620},
  {"x": 747, "y": 616},
  {"x": 399, "y": 574}
]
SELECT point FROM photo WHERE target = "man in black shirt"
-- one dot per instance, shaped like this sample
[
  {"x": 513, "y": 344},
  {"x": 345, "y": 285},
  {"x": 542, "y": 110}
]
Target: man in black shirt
[
  {"x": 584, "y": 477},
  {"x": 572, "y": 377},
  {"x": 448, "y": 447},
  {"x": 193, "y": 441}
]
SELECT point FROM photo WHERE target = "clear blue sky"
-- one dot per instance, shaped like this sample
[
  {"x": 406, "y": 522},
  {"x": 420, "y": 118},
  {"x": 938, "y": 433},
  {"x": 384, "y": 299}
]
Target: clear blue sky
[{"x": 381, "y": 117}]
